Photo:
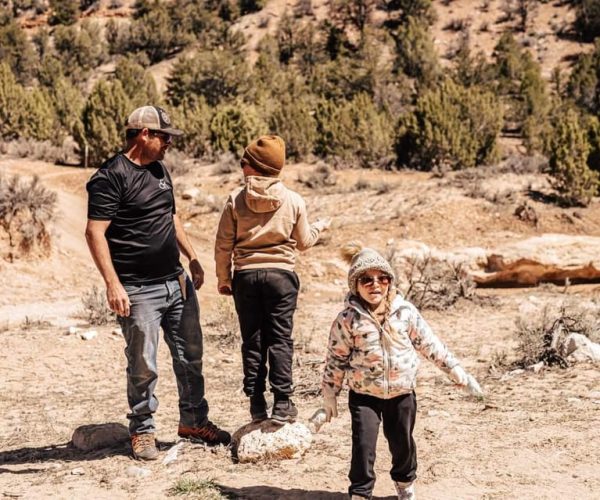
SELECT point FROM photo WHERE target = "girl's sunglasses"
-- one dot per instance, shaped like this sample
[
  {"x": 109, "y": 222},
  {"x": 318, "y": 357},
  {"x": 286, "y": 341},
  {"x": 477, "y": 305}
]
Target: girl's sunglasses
[{"x": 370, "y": 280}]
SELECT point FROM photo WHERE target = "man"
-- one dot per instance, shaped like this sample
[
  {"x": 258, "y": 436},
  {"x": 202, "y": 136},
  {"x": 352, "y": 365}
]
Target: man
[
  {"x": 261, "y": 228},
  {"x": 135, "y": 237}
]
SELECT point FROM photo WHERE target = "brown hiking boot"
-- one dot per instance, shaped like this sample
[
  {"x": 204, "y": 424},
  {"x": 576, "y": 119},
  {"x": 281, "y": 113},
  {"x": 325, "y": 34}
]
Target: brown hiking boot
[
  {"x": 208, "y": 434},
  {"x": 144, "y": 446}
]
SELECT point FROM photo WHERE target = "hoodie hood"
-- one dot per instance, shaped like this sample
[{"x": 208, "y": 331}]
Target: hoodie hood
[{"x": 264, "y": 194}]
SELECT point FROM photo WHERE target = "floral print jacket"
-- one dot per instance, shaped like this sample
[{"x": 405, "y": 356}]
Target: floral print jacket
[{"x": 380, "y": 362}]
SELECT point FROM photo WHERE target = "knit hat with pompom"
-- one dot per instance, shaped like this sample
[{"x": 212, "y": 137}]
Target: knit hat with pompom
[{"x": 363, "y": 259}]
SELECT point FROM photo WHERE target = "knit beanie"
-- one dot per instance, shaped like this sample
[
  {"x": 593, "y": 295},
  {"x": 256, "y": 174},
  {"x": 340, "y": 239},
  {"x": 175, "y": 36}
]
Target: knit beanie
[
  {"x": 363, "y": 259},
  {"x": 266, "y": 155}
]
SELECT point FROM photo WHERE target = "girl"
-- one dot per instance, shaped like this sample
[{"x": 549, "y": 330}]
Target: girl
[{"x": 375, "y": 340}]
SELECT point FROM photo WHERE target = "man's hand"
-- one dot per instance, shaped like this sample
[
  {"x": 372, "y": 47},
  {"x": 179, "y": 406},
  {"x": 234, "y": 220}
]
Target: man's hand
[
  {"x": 197, "y": 273},
  {"x": 118, "y": 300},
  {"x": 225, "y": 290}
]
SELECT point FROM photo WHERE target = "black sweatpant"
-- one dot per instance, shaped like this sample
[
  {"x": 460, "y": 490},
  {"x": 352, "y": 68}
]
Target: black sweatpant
[
  {"x": 265, "y": 301},
  {"x": 398, "y": 415}
]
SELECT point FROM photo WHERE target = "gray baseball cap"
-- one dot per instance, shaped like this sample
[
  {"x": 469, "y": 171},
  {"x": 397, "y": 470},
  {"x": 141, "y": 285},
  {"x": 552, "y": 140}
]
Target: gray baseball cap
[{"x": 153, "y": 118}]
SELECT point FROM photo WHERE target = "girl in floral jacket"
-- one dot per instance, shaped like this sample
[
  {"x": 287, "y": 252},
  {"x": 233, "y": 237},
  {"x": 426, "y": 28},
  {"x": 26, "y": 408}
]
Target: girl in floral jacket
[{"x": 375, "y": 341}]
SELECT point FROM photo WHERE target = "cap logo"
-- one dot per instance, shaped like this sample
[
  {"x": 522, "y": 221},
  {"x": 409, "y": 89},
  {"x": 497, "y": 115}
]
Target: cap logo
[{"x": 165, "y": 117}]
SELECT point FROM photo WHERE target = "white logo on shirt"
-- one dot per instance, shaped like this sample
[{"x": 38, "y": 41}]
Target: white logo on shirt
[{"x": 162, "y": 184}]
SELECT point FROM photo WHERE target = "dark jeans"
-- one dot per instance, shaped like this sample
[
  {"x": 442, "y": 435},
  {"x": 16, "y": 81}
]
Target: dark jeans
[
  {"x": 153, "y": 307},
  {"x": 265, "y": 301},
  {"x": 398, "y": 415}
]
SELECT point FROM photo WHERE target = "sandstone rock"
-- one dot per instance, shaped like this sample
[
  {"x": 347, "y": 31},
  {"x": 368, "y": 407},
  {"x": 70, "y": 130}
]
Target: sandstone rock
[
  {"x": 88, "y": 334},
  {"x": 134, "y": 471},
  {"x": 190, "y": 194},
  {"x": 577, "y": 347},
  {"x": 98, "y": 436},
  {"x": 266, "y": 440}
]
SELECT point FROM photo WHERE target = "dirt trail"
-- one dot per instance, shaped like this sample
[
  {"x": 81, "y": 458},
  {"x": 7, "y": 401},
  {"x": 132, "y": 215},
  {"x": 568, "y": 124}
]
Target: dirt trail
[{"x": 535, "y": 436}]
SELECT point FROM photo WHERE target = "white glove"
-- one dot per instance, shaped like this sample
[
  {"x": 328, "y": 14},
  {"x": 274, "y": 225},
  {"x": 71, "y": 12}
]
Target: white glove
[
  {"x": 460, "y": 377},
  {"x": 323, "y": 224}
]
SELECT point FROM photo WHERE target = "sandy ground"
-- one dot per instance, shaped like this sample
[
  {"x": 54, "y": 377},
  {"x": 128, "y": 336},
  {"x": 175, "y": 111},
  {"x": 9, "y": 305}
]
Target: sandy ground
[{"x": 534, "y": 436}]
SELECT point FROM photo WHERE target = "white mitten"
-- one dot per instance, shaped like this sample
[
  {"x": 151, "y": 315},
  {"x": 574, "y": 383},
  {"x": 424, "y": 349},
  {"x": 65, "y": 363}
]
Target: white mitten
[
  {"x": 473, "y": 387},
  {"x": 459, "y": 376}
]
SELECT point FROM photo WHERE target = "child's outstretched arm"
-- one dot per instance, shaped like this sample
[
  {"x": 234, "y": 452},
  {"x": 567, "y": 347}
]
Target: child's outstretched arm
[
  {"x": 433, "y": 349},
  {"x": 339, "y": 348},
  {"x": 224, "y": 244},
  {"x": 305, "y": 234}
]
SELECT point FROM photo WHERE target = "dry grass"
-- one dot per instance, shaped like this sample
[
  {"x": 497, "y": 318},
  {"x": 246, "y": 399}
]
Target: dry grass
[{"x": 95, "y": 308}]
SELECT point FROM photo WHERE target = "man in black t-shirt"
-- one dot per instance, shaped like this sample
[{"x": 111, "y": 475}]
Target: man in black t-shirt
[{"x": 135, "y": 236}]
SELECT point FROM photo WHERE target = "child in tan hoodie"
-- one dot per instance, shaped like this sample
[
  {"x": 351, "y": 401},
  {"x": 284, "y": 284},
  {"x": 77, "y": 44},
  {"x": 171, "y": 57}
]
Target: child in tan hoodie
[{"x": 262, "y": 226}]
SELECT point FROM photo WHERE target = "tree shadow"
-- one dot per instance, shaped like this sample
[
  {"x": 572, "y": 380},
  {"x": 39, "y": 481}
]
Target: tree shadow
[{"x": 273, "y": 493}]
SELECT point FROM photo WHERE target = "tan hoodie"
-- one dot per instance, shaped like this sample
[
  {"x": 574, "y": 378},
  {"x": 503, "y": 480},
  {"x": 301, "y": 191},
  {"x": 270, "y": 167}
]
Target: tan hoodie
[{"x": 262, "y": 225}]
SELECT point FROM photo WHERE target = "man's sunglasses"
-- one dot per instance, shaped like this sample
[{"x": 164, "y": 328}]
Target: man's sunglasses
[
  {"x": 166, "y": 138},
  {"x": 370, "y": 280}
]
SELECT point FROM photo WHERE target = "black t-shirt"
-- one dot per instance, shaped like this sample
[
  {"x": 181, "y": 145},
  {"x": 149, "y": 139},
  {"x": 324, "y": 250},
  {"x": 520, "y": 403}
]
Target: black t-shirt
[{"x": 140, "y": 204}]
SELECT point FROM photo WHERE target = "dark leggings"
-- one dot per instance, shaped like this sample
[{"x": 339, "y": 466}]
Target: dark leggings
[{"x": 398, "y": 415}]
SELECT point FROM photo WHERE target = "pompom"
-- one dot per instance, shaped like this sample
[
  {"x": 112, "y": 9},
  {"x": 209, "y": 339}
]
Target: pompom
[{"x": 349, "y": 250}]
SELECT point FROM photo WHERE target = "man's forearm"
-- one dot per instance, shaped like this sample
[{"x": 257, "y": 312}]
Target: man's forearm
[
  {"x": 101, "y": 254},
  {"x": 183, "y": 242}
]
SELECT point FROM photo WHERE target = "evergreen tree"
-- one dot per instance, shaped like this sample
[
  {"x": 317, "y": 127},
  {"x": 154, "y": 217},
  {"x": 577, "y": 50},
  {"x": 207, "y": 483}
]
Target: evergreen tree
[
  {"x": 138, "y": 84},
  {"x": 17, "y": 51},
  {"x": 234, "y": 125},
  {"x": 568, "y": 149},
  {"x": 102, "y": 120},
  {"x": 64, "y": 11}
]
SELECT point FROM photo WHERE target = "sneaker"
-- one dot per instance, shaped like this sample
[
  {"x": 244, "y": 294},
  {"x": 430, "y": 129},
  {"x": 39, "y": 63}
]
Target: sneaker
[
  {"x": 144, "y": 446},
  {"x": 284, "y": 411},
  {"x": 208, "y": 434},
  {"x": 258, "y": 408},
  {"x": 406, "y": 491}
]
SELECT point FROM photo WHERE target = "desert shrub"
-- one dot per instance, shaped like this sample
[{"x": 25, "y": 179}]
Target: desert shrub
[
  {"x": 68, "y": 104},
  {"x": 16, "y": 50},
  {"x": 26, "y": 209},
  {"x": 64, "y": 11},
  {"x": 540, "y": 335},
  {"x": 233, "y": 126},
  {"x": 206, "y": 489},
  {"x": 568, "y": 149},
  {"x": 450, "y": 125},
  {"x": 95, "y": 308},
  {"x": 355, "y": 131},
  {"x": 322, "y": 176},
  {"x": 138, "y": 84},
  {"x": 249, "y": 6},
  {"x": 583, "y": 85},
  {"x": 587, "y": 19},
  {"x": 102, "y": 121},
  {"x": 47, "y": 151},
  {"x": 226, "y": 163},
  {"x": 432, "y": 284},
  {"x": 216, "y": 75}
]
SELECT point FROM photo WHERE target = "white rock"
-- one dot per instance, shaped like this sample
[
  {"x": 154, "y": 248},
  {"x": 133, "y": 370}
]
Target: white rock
[
  {"x": 72, "y": 330},
  {"x": 134, "y": 471},
  {"x": 438, "y": 413},
  {"x": 78, "y": 471},
  {"x": 190, "y": 194},
  {"x": 537, "y": 367},
  {"x": 594, "y": 395},
  {"x": 171, "y": 455},
  {"x": 88, "y": 335},
  {"x": 577, "y": 347},
  {"x": 117, "y": 331},
  {"x": 266, "y": 440}
]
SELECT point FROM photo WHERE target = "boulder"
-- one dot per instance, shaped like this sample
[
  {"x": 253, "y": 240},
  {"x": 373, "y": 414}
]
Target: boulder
[
  {"x": 267, "y": 441},
  {"x": 577, "y": 347},
  {"x": 98, "y": 436}
]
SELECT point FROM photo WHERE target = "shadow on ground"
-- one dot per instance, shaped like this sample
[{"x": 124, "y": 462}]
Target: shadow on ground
[{"x": 272, "y": 493}]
